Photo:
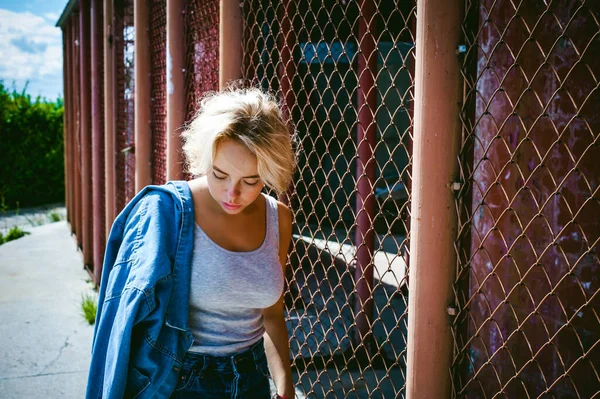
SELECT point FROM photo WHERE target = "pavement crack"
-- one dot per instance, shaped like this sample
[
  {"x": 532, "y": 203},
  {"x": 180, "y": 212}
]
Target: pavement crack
[
  {"x": 60, "y": 351},
  {"x": 16, "y": 377}
]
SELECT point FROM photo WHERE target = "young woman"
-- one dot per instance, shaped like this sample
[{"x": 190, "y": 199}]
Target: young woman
[{"x": 191, "y": 298}]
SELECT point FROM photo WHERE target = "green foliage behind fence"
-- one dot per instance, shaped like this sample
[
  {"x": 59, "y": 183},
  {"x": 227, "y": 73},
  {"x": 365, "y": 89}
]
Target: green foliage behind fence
[{"x": 31, "y": 149}]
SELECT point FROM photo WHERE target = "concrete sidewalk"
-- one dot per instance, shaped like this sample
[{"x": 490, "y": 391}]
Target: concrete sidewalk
[{"x": 44, "y": 341}]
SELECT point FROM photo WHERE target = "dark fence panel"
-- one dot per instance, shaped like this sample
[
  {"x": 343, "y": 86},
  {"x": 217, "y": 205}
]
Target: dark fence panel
[
  {"x": 528, "y": 287},
  {"x": 344, "y": 72},
  {"x": 202, "y": 51}
]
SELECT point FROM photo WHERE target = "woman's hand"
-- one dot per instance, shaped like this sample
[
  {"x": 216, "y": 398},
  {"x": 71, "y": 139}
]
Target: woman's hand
[{"x": 277, "y": 349}]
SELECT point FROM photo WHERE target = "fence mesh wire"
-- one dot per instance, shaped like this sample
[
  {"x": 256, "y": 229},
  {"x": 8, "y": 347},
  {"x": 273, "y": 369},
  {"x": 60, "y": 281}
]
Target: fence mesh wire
[
  {"x": 158, "y": 66},
  {"x": 124, "y": 89},
  {"x": 527, "y": 285},
  {"x": 344, "y": 71},
  {"x": 202, "y": 51}
]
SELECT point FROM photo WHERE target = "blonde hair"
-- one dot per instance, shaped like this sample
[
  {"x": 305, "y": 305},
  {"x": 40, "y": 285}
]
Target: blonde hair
[{"x": 249, "y": 116}]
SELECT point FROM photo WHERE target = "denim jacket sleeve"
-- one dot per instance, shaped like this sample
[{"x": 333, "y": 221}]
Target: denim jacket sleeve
[{"x": 139, "y": 255}]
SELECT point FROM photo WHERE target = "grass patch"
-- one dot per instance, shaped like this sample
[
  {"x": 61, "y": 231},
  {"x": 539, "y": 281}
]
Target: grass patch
[
  {"x": 89, "y": 306},
  {"x": 14, "y": 233},
  {"x": 55, "y": 216}
]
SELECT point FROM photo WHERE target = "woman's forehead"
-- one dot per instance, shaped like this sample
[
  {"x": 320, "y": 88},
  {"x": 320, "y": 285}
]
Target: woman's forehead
[{"x": 232, "y": 158}]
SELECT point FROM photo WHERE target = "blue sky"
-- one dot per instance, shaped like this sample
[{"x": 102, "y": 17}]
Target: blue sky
[{"x": 31, "y": 46}]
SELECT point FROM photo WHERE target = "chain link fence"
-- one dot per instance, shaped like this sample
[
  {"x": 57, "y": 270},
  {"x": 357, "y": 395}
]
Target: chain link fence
[
  {"x": 528, "y": 249},
  {"x": 344, "y": 72},
  {"x": 202, "y": 51},
  {"x": 123, "y": 38},
  {"x": 158, "y": 73},
  {"x": 527, "y": 285}
]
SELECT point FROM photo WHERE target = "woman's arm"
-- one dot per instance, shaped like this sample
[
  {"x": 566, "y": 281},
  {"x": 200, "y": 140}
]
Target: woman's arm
[{"x": 276, "y": 335}]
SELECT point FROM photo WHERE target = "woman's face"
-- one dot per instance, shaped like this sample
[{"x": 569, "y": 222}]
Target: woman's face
[{"x": 233, "y": 180}]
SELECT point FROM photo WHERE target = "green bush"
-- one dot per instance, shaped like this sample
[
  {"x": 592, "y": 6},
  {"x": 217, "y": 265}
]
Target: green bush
[{"x": 31, "y": 133}]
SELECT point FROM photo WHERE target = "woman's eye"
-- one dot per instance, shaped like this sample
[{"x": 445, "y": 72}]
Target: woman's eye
[
  {"x": 251, "y": 184},
  {"x": 219, "y": 177}
]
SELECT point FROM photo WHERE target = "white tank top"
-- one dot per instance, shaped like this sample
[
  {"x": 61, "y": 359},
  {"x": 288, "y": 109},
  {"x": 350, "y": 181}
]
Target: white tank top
[{"x": 229, "y": 290}]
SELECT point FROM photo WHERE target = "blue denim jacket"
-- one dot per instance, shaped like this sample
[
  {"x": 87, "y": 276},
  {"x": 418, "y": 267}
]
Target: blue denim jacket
[{"x": 141, "y": 333}]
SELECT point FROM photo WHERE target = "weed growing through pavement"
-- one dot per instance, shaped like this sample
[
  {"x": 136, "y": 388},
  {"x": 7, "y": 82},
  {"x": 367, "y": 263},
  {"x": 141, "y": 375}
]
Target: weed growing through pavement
[
  {"x": 12, "y": 234},
  {"x": 89, "y": 306},
  {"x": 55, "y": 216}
]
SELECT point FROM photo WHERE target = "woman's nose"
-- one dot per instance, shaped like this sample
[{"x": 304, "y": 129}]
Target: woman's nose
[{"x": 233, "y": 190}]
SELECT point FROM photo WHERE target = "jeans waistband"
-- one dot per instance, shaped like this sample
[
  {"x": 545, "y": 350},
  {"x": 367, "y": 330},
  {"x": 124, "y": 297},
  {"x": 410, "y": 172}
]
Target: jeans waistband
[{"x": 242, "y": 361}]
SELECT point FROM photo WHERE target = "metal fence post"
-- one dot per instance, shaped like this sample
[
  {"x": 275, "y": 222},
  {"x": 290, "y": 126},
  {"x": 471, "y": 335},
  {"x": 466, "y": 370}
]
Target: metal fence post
[
  {"x": 230, "y": 41},
  {"x": 76, "y": 102},
  {"x": 97, "y": 137},
  {"x": 65, "y": 40},
  {"x": 67, "y": 115},
  {"x": 365, "y": 171},
  {"x": 84, "y": 115},
  {"x": 110, "y": 102},
  {"x": 433, "y": 224},
  {"x": 176, "y": 94},
  {"x": 143, "y": 95}
]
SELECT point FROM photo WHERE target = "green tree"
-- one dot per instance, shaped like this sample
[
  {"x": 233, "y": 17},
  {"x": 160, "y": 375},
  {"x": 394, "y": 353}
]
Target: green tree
[{"x": 31, "y": 149}]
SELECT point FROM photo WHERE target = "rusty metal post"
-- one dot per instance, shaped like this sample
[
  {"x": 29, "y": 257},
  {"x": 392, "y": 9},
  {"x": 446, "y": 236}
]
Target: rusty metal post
[
  {"x": 230, "y": 41},
  {"x": 176, "y": 94},
  {"x": 110, "y": 102},
  {"x": 65, "y": 123},
  {"x": 97, "y": 136},
  {"x": 70, "y": 102},
  {"x": 76, "y": 127},
  {"x": 69, "y": 97},
  {"x": 433, "y": 224},
  {"x": 66, "y": 115},
  {"x": 86, "y": 162},
  {"x": 143, "y": 96},
  {"x": 69, "y": 125},
  {"x": 365, "y": 172}
]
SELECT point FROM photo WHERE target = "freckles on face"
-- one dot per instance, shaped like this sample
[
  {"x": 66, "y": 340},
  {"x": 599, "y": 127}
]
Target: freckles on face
[{"x": 233, "y": 180}]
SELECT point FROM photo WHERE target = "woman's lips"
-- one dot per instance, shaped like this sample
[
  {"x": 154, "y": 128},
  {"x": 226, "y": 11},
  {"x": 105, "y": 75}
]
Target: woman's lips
[{"x": 231, "y": 207}]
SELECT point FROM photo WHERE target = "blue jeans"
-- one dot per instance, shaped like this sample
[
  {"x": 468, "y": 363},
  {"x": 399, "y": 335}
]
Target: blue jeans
[{"x": 244, "y": 375}]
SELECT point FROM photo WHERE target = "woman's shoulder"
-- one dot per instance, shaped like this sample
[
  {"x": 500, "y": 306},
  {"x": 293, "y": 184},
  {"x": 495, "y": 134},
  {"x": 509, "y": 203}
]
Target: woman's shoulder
[
  {"x": 282, "y": 209},
  {"x": 284, "y": 215}
]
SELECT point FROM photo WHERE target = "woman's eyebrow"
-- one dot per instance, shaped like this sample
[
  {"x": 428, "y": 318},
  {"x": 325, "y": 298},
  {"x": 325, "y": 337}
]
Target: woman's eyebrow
[{"x": 245, "y": 177}]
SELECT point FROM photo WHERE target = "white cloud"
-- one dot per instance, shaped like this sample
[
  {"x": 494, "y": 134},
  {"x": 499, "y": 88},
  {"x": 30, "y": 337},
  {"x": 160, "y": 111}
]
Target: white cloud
[
  {"x": 30, "y": 50},
  {"x": 52, "y": 16}
]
